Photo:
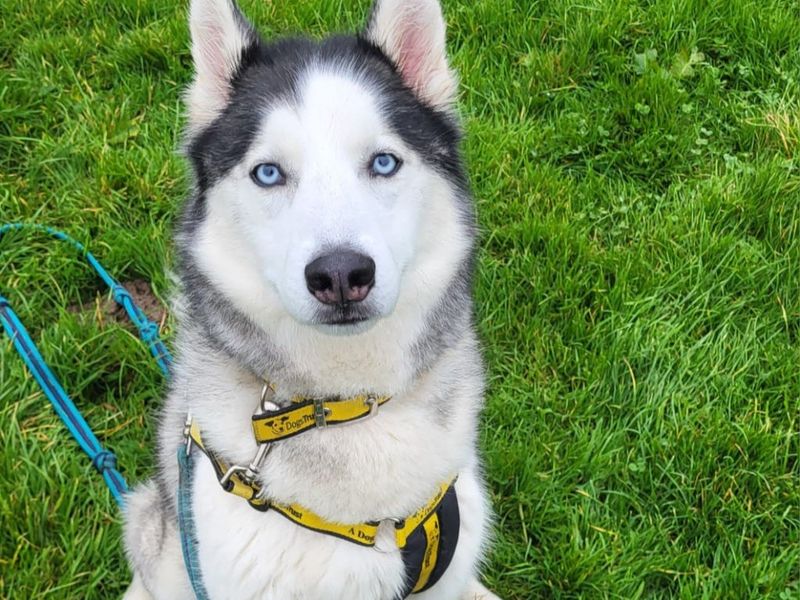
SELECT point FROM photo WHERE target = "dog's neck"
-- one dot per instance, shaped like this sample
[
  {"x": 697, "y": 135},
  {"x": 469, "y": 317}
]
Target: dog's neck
[{"x": 422, "y": 434}]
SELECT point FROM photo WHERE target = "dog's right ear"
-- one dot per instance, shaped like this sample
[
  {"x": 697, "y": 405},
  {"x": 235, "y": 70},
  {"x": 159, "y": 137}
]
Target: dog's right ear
[{"x": 220, "y": 36}]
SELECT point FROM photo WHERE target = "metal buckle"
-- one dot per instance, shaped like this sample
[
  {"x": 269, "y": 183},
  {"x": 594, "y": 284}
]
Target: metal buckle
[
  {"x": 187, "y": 433},
  {"x": 249, "y": 473},
  {"x": 321, "y": 413}
]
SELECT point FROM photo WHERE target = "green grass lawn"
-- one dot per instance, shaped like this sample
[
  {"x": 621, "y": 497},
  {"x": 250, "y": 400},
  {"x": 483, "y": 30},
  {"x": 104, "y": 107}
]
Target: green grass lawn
[{"x": 637, "y": 170}]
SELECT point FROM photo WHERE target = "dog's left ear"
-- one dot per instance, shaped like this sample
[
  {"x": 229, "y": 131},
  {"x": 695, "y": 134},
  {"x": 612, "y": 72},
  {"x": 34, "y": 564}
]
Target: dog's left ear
[{"x": 412, "y": 34}]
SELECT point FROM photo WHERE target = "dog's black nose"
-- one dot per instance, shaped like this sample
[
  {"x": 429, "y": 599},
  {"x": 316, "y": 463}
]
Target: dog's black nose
[{"x": 341, "y": 277}]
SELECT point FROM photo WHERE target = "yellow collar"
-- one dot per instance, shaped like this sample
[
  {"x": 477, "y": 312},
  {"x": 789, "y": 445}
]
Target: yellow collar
[
  {"x": 427, "y": 539},
  {"x": 309, "y": 413}
]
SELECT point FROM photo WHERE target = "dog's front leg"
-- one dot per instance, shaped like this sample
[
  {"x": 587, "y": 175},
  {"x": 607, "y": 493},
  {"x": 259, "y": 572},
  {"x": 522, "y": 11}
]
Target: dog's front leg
[
  {"x": 153, "y": 548},
  {"x": 136, "y": 590}
]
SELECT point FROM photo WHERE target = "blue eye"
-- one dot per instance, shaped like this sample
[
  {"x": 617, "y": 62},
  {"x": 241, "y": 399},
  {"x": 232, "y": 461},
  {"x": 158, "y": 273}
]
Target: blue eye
[
  {"x": 268, "y": 175},
  {"x": 385, "y": 164}
]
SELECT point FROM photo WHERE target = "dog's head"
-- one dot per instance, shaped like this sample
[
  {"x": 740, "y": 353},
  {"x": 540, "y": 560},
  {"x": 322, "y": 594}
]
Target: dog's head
[{"x": 329, "y": 184}]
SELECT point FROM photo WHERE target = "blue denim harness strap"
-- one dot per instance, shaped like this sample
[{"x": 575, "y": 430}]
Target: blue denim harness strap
[{"x": 186, "y": 522}]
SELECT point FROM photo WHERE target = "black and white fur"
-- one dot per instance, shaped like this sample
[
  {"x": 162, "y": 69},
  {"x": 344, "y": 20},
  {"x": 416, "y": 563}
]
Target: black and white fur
[{"x": 320, "y": 110}]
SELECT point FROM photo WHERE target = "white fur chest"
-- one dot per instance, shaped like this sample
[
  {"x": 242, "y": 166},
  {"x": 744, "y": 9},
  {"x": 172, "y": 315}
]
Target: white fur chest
[
  {"x": 387, "y": 466},
  {"x": 245, "y": 554},
  {"x": 249, "y": 555}
]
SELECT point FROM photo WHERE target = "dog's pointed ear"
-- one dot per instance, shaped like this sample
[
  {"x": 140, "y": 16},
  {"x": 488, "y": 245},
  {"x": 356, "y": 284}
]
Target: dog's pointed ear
[
  {"x": 412, "y": 34},
  {"x": 220, "y": 37}
]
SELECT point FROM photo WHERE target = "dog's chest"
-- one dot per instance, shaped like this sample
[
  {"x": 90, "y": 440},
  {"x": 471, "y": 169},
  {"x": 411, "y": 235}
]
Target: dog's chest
[
  {"x": 386, "y": 467},
  {"x": 246, "y": 554}
]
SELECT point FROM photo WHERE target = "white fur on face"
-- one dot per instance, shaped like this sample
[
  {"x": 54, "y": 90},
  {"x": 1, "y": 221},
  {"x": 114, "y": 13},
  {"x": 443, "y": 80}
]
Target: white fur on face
[
  {"x": 325, "y": 146},
  {"x": 254, "y": 243}
]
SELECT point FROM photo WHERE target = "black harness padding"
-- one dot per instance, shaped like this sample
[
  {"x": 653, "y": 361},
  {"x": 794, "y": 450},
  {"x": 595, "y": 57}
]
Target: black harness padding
[{"x": 449, "y": 522}]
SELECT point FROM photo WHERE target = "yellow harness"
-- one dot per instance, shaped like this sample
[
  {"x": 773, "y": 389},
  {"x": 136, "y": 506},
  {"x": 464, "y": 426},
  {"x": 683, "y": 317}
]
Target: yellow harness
[{"x": 426, "y": 539}]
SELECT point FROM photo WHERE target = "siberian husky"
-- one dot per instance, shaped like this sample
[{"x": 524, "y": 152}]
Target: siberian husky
[{"x": 326, "y": 255}]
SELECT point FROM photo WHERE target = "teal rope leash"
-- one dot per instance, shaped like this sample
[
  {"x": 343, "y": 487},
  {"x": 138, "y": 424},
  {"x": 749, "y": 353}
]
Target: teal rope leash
[
  {"x": 102, "y": 459},
  {"x": 148, "y": 331}
]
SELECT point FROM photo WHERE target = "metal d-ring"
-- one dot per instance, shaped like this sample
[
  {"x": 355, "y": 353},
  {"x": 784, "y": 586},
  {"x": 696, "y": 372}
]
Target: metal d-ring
[
  {"x": 265, "y": 403},
  {"x": 187, "y": 433}
]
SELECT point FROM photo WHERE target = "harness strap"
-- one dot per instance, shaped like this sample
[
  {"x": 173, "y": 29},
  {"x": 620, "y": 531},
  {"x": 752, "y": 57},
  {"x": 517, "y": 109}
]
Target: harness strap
[
  {"x": 362, "y": 534},
  {"x": 308, "y": 413},
  {"x": 186, "y": 523},
  {"x": 427, "y": 539},
  {"x": 235, "y": 484},
  {"x": 428, "y": 549}
]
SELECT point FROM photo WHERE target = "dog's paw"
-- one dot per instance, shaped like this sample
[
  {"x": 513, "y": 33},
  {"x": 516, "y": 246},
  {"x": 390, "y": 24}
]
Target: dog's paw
[
  {"x": 137, "y": 591},
  {"x": 477, "y": 591}
]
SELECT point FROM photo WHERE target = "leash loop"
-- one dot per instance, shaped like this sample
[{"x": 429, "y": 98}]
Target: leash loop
[{"x": 103, "y": 461}]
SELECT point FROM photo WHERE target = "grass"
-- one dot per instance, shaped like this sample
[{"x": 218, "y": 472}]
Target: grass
[{"x": 636, "y": 165}]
